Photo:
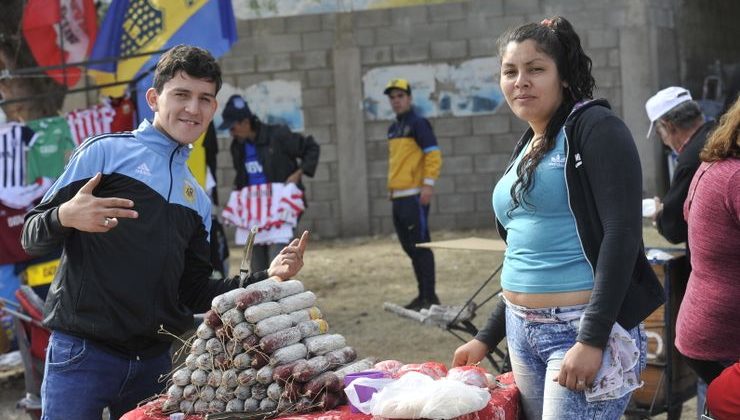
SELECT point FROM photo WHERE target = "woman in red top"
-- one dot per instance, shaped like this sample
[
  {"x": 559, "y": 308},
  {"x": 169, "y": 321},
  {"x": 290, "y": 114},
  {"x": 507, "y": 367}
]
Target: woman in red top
[{"x": 708, "y": 325}]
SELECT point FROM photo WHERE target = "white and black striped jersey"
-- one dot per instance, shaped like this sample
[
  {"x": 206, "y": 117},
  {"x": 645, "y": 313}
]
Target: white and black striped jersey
[{"x": 14, "y": 142}]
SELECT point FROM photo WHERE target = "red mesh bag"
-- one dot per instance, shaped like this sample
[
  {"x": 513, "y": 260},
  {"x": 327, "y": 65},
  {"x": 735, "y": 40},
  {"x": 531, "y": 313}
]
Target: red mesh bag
[
  {"x": 471, "y": 375},
  {"x": 434, "y": 370}
]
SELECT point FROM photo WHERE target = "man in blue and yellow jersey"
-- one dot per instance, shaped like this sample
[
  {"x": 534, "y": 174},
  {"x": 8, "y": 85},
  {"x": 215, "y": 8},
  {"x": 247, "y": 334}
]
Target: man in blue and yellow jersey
[{"x": 414, "y": 162}]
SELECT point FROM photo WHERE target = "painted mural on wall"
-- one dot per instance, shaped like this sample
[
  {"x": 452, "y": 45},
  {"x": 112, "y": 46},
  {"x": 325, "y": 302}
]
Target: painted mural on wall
[
  {"x": 273, "y": 101},
  {"x": 470, "y": 88},
  {"x": 256, "y": 9}
]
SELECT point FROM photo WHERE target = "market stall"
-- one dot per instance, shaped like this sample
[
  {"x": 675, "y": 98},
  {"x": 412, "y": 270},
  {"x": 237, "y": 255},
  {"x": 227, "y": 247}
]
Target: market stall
[
  {"x": 265, "y": 351},
  {"x": 503, "y": 405}
]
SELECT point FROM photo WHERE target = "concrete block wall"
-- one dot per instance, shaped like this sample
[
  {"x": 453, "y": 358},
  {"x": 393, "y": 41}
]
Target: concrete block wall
[{"x": 315, "y": 50}]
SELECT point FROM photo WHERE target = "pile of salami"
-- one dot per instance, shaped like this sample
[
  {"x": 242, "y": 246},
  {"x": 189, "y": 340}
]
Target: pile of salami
[{"x": 263, "y": 348}]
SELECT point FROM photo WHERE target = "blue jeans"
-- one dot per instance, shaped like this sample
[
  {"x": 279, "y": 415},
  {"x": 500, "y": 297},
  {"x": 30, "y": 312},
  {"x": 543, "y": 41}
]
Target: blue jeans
[
  {"x": 537, "y": 344},
  {"x": 701, "y": 397},
  {"x": 80, "y": 380}
]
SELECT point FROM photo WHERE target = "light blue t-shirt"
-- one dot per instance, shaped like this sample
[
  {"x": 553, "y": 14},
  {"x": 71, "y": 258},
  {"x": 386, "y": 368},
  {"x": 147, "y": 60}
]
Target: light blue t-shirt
[{"x": 543, "y": 254}]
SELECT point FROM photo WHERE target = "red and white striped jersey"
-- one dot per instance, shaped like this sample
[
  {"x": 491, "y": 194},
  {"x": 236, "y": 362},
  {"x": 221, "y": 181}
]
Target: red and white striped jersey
[
  {"x": 90, "y": 122},
  {"x": 273, "y": 207},
  {"x": 14, "y": 142}
]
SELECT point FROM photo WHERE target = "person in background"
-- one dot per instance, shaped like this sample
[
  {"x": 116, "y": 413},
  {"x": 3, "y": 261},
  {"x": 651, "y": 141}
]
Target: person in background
[
  {"x": 265, "y": 153},
  {"x": 576, "y": 282},
  {"x": 133, "y": 224},
  {"x": 414, "y": 164},
  {"x": 708, "y": 323},
  {"x": 679, "y": 123}
]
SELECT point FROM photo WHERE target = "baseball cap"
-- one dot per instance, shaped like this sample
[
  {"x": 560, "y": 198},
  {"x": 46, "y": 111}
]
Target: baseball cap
[
  {"x": 664, "y": 101},
  {"x": 401, "y": 84},
  {"x": 236, "y": 110}
]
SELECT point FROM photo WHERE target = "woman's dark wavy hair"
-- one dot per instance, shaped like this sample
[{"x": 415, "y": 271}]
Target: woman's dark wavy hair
[{"x": 556, "y": 38}]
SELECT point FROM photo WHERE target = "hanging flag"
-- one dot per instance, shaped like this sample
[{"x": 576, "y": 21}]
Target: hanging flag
[
  {"x": 138, "y": 26},
  {"x": 60, "y": 31}
]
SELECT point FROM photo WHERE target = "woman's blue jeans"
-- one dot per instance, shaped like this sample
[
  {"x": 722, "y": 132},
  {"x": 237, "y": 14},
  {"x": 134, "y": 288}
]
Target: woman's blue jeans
[
  {"x": 538, "y": 340},
  {"x": 80, "y": 380}
]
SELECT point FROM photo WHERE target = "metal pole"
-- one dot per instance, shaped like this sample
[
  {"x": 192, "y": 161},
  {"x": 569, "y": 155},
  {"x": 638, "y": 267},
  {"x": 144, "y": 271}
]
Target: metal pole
[
  {"x": 6, "y": 74},
  {"x": 78, "y": 90},
  {"x": 61, "y": 44}
]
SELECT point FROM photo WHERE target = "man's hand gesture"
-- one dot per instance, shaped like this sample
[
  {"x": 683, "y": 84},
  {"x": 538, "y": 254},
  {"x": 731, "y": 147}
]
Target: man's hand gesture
[
  {"x": 88, "y": 213},
  {"x": 290, "y": 260}
]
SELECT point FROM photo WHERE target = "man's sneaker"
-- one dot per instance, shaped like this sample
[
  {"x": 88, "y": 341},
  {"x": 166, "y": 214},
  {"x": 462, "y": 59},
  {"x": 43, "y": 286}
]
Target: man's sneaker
[
  {"x": 415, "y": 304},
  {"x": 426, "y": 303}
]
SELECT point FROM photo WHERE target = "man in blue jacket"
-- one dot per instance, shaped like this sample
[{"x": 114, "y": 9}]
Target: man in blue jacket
[{"x": 133, "y": 224}]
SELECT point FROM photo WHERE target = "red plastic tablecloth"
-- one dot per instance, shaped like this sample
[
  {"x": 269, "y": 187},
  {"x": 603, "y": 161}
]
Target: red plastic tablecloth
[{"x": 503, "y": 405}]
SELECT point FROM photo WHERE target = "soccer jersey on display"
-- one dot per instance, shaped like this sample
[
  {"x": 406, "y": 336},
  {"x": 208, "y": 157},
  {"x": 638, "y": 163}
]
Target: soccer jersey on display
[
  {"x": 53, "y": 146},
  {"x": 14, "y": 141}
]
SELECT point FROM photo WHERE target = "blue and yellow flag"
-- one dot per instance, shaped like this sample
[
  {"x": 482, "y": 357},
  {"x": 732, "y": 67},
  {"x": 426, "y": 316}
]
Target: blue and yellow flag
[{"x": 135, "y": 26}]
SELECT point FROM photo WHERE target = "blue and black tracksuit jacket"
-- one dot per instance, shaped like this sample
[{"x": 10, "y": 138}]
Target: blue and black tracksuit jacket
[{"x": 118, "y": 288}]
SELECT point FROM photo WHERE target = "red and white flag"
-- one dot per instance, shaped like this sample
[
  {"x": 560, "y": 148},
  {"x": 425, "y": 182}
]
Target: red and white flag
[{"x": 60, "y": 31}]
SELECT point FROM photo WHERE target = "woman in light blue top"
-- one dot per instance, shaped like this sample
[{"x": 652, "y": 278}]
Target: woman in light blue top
[{"x": 576, "y": 283}]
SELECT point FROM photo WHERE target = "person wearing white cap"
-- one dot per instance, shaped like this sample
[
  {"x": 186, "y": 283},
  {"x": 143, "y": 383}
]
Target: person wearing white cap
[{"x": 679, "y": 123}]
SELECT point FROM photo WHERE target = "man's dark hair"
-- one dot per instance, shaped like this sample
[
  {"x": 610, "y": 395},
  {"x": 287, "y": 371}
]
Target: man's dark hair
[
  {"x": 194, "y": 61},
  {"x": 684, "y": 115}
]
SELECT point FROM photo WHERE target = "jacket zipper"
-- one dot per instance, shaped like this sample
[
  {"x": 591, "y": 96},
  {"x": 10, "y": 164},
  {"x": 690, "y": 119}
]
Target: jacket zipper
[
  {"x": 172, "y": 158},
  {"x": 168, "y": 231},
  {"x": 567, "y": 193}
]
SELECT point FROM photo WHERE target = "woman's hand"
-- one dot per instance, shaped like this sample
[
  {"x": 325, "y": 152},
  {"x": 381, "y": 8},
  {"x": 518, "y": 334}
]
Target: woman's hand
[
  {"x": 579, "y": 367},
  {"x": 470, "y": 353}
]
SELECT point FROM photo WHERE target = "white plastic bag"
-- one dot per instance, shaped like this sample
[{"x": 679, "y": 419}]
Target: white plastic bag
[
  {"x": 648, "y": 207},
  {"x": 449, "y": 399},
  {"x": 354, "y": 398},
  {"x": 403, "y": 399},
  {"x": 415, "y": 396}
]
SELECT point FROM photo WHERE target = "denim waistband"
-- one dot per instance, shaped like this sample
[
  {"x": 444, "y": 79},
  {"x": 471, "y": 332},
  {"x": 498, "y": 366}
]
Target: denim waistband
[{"x": 546, "y": 315}]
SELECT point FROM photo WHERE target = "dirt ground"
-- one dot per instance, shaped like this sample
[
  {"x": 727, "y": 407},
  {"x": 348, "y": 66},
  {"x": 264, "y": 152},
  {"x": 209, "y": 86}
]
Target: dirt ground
[{"x": 353, "y": 277}]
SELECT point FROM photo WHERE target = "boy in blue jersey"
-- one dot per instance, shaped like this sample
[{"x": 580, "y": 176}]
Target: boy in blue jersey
[
  {"x": 133, "y": 224},
  {"x": 414, "y": 163}
]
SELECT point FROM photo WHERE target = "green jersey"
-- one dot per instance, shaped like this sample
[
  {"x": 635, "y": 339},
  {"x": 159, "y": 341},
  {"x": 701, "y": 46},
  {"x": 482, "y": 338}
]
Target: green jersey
[{"x": 51, "y": 150}]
